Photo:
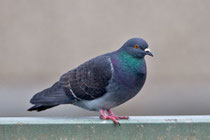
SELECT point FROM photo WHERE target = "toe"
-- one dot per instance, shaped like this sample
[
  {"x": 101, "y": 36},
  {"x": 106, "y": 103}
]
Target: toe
[
  {"x": 124, "y": 117},
  {"x": 102, "y": 117},
  {"x": 113, "y": 119}
]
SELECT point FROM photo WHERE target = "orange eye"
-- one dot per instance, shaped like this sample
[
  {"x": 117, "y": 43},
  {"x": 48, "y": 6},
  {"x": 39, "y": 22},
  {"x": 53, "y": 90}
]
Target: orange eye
[{"x": 136, "y": 46}]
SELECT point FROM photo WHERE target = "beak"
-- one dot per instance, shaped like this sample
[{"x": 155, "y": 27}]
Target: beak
[{"x": 148, "y": 52}]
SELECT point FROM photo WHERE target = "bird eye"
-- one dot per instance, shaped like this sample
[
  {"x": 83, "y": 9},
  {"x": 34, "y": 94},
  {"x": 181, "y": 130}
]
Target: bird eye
[{"x": 136, "y": 46}]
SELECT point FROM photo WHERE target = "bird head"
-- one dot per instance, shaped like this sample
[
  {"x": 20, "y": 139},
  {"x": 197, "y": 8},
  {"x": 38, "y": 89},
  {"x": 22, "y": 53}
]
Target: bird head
[{"x": 136, "y": 47}]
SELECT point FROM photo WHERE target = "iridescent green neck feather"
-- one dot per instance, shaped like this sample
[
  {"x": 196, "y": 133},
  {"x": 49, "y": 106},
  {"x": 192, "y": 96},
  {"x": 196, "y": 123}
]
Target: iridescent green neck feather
[
  {"x": 129, "y": 70},
  {"x": 130, "y": 63}
]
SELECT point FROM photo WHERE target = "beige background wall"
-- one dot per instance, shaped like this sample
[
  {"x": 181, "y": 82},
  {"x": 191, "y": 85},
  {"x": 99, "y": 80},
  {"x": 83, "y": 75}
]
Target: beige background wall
[{"x": 42, "y": 39}]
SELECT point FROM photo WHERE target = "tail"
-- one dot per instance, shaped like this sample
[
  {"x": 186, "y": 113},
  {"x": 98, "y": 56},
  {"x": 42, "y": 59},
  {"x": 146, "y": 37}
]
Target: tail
[
  {"x": 49, "y": 98},
  {"x": 40, "y": 107}
]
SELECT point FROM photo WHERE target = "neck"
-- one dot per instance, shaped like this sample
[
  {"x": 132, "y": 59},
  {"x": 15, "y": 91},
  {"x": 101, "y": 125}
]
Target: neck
[
  {"x": 129, "y": 68},
  {"x": 130, "y": 62}
]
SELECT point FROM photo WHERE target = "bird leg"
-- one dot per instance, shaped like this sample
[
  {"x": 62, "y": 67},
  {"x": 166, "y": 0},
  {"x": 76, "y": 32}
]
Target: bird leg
[
  {"x": 116, "y": 117},
  {"x": 104, "y": 116}
]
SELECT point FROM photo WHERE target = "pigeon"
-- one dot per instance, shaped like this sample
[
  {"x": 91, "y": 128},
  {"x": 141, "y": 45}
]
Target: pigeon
[{"x": 101, "y": 83}]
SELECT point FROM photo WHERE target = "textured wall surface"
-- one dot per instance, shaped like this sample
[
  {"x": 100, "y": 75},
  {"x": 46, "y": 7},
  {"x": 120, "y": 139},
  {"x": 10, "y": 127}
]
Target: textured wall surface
[{"x": 40, "y": 40}]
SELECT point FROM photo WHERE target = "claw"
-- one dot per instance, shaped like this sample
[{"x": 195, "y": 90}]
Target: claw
[
  {"x": 123, "y": 117},
  {"x": 116, "y": 117},
  {"x": 104, "y": 116},
  {"x": 111, "y": 116}
]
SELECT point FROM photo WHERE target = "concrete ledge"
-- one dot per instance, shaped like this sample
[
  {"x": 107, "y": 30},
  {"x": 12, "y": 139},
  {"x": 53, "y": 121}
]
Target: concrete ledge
[{"x": 91, "y": 128}]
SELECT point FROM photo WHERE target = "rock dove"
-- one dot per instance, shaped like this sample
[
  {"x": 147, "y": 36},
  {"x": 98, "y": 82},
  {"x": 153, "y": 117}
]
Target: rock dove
[{"x": 101, "y": 83}]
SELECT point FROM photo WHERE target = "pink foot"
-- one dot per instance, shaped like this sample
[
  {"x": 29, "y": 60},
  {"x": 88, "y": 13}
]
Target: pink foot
[
  {"x": 104, "y": 116},
  {"x": 116, "y": 117}
]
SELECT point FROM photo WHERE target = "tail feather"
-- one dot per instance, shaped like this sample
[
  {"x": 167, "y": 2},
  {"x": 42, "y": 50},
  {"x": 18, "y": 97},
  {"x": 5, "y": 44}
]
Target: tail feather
[
  {"x": 49, "y": 98},
  {"x": 40, "y": 107}
]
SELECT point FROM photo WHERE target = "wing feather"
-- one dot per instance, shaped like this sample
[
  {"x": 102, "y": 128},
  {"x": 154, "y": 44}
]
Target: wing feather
[{"x": 89, "y": 80}]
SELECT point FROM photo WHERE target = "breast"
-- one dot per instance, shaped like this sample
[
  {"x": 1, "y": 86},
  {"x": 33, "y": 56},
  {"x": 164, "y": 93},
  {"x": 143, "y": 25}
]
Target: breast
[
  {"x": 127, "y": 81},
  {"x": 130, "y": 76},
  {"x": 129, "y": 85}
]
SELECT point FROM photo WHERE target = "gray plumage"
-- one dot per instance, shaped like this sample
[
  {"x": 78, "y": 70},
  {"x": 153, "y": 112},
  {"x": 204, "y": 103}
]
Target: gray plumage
[{"x": 100, "y": 83}]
